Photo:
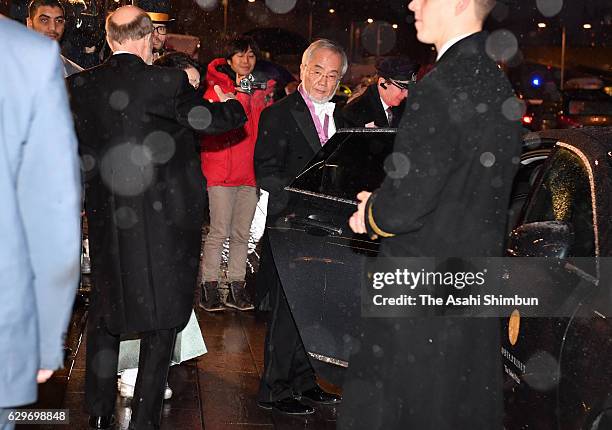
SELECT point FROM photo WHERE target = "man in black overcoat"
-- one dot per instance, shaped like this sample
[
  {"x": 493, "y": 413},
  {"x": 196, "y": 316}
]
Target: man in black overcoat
[
  {"x": 456, "y": 153},
  {"x": 135, "y": 124},
  {"x": 291, "y": 132},
  {"x": 382, "y": 104}
]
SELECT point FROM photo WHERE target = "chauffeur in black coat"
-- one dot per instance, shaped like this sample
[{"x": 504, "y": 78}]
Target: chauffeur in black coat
[
  {"x": 382, "y": 104},
  {"x": 135, "y": 124},
  {"x": 291, "y": 132},
  {"x": 457, "y": 151}
]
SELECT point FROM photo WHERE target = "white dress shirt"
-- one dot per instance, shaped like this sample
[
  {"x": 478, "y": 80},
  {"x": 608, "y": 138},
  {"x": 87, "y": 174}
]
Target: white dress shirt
[
  {"x": 386, "y": 109},
  {"x": 322, "y": 109}
]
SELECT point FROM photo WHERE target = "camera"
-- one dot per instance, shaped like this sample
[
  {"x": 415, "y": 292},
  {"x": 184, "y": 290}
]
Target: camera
[{"x": 248, "y": 84}]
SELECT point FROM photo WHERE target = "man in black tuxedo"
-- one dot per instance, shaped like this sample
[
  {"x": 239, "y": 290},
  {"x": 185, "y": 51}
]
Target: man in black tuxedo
[
  {"x": 291, "y": 132},
  {"x": 447, "y": 195},
  {"x": 135, "y": 124},
  {"x": 382, "y": 103}
]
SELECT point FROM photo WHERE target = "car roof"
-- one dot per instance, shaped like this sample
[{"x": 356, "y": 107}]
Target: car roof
[{"x": 591, "y": 140}]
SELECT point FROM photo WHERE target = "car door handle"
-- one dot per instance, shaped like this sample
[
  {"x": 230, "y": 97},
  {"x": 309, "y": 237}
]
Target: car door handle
[{"x": 315, "y": 227}]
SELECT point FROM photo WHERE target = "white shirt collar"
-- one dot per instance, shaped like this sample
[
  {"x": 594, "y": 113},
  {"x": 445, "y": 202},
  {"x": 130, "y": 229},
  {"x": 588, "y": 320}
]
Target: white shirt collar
[
  {"x": 450, "y": 43},
  {"x": 322, "y": 109},
  {"x": 123, "y": 52},
  {"x": 384, "y": 105}
]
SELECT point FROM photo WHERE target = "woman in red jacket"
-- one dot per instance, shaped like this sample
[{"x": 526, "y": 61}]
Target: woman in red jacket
[{"x": 227, "y": 164}]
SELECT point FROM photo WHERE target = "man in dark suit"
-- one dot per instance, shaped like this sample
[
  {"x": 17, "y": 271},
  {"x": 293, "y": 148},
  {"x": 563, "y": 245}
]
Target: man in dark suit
[
  {"x": 135, "y": 124},
  {"x": 382, "y": 103},
  {"x": 456, "y": 153},
  {"x": 291, "y": 132}
]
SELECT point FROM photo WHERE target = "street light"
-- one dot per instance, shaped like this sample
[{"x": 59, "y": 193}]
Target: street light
[
  {"x": 587, "y": 26},
  {"x": 332, "y": 10},
  {"x": 370, "y": 20},
  {"x": 541, "y": 24},
  {"x": 395, "y": 26},
  {"x": 225, "y": 7}
]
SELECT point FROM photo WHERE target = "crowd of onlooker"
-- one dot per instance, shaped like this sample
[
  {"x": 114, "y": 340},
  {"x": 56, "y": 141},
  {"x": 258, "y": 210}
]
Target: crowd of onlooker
[
  {"x": 155, "y": 135},
  {"x": 225, "y": 154}
]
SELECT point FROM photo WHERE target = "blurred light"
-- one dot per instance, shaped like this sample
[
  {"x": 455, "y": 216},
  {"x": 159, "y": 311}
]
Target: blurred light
[
  {"x": 542, "y": 24},
  {"x": 536, "y": 81},
  {"x": 251, "y": 1},
  {"x": 332, "y": 10},
  {"x": 527, "y": 119},
  {"x": 370, "y": 20},
  {"x": 394, "y": 26},
  {"x": 587, "y": 26}
]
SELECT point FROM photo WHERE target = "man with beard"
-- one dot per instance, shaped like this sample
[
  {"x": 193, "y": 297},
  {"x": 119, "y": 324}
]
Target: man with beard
[
  {"x": 135, "y": 124},
  {"x": 48, "y": 17},
  {"x": 291, "y": 132},
  {"x": 446, "y": 196}
]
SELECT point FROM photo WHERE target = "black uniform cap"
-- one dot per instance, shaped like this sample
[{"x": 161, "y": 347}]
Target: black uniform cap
[
  {"x": 158, "y": 10},
  {"x": 401, "y": 70}
]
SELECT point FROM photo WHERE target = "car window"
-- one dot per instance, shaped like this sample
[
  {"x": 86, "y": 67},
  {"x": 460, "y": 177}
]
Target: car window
[
  {"x": 349, "y": 163},
  {"x": 564, "y": 194}
]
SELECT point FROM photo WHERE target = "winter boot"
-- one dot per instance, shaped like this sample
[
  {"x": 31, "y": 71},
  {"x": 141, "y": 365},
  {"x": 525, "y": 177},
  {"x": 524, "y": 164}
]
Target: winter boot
[
  {"x": 238, "y": 297},
  {"x": 209, "y": 298}
]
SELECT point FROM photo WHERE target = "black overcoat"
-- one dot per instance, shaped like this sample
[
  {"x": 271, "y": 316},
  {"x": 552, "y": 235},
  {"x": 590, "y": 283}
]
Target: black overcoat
[
  {"x": 144, "y": 188},
  {"x": 368, "y": 108},
  {"x": 456, "y": 153}
]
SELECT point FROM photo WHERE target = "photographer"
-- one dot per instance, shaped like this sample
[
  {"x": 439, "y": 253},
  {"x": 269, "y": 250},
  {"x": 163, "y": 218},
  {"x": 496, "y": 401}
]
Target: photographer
[{"x": 227, "y": 164}]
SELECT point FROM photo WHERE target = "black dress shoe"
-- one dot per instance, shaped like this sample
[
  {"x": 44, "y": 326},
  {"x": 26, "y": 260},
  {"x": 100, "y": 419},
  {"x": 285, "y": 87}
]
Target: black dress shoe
[
  {"x": 318, "y": 395},
  {"x": 101, "y": 422},
  {"x": 288, "y": 406}
]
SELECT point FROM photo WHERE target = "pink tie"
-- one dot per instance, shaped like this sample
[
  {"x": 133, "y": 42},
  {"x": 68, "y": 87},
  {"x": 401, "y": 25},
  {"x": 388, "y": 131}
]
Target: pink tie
[{"x": 325, "y": 130}]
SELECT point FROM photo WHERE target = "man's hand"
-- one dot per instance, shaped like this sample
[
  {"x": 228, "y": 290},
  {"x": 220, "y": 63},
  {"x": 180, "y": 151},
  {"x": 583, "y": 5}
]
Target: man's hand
[
  {"x": 43, "y": 375},
  {"x": 223, "y": 97},
  {"x": 357, "y": 220}
]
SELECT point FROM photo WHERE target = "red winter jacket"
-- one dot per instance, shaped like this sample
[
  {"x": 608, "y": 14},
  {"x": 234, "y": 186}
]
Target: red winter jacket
[{"x": 227, "y": 159}]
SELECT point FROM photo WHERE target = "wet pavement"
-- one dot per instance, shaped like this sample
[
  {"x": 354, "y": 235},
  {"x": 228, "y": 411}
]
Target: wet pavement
[{"x": 215, "y": 391}]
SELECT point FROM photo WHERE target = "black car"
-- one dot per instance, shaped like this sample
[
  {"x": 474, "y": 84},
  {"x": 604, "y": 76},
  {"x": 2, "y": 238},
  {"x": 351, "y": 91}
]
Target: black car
[
  {"x": 574, "y": 108},
  {"x": 557, "y": 370}
]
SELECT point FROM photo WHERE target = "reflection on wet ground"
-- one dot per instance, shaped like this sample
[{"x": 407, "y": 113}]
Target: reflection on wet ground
[{"x": 216, "y": 391}]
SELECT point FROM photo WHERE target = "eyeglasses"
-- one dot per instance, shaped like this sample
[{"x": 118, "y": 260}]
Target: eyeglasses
[
  {"x": 317, "y": 75},
  {"x": 160, "y": 29}
]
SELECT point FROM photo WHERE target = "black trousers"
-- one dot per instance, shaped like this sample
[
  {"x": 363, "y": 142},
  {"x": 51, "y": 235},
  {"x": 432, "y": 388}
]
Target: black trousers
[
  {"x": 287, "y": 370},
  {"x": 101, "y": 373}
]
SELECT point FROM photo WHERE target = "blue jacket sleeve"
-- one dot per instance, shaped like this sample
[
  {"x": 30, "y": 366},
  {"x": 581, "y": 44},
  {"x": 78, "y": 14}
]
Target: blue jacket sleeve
[{"x": 49, "y": 196}]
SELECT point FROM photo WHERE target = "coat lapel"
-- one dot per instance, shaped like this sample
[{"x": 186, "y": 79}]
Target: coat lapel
[{"x": 302, "y": 117}]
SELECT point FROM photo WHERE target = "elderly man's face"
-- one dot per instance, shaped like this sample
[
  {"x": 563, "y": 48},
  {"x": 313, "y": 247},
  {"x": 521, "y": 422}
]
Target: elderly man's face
[
  {"x": 321, "y": 76},
  {"x": 159, "y": 36},
  {"x": 48, "y": 20}
]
